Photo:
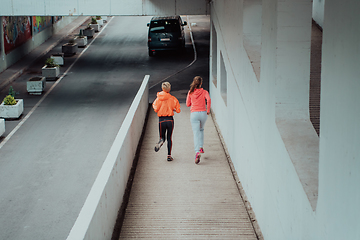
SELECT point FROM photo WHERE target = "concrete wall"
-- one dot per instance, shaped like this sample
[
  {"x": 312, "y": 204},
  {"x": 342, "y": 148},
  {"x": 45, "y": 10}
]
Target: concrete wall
[
  {"x": 298, "y": 188},
  {"x": 97, "y": 218},
  {"x": 105, "y": 7},
  {"x": 6, "y": 60}
]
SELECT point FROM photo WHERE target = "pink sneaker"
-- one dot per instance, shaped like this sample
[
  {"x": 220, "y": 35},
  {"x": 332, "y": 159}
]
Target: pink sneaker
[
  {"x": 201, "y": 150},
  {"x": 197, "y": 157}
]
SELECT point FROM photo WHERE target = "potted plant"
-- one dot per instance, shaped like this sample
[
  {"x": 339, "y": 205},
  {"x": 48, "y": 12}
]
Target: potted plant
[
  {"x": 99, "y": 21},
  {"x": 11, "y": 107},
  {"x": 2, "y": 126},
  {"x": 36, "y": 85},
  {"x": 70, "y": 48},
  {"x": 89, "y": 31},
  {"x": 81, "y": 40},
  {"x": 51, "y": 70},
  {"x": 94, "y": 24},
  {"x": 58, "y": 58}
]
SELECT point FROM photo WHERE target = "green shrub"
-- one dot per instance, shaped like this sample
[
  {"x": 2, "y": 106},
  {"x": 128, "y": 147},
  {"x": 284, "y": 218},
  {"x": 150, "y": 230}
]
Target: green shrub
[
  {"x": 98, "y": 17},
  {"x": 50, "y": 63},
  {"x": 88, "y": 26},
  {"x": 93, "y": 21},
  {"x": 12, "y": 91},
  {"x": 9, "y": 100}
]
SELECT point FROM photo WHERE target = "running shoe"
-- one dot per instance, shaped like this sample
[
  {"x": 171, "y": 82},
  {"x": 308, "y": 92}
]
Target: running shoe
[
  {"x": 197, "y": 157},
  {"x": 169, "y": 158},
  {"x": 159, "y": 144},
  {"x": 201, "y": 150}
]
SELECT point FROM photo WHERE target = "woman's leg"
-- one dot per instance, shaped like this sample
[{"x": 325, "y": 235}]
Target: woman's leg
[
  {"x": 195, "y": 124},
  {"x": 162, "y": 130},
  {"x": 169, "y": 129},
  {"x": 202, "y": 118}
]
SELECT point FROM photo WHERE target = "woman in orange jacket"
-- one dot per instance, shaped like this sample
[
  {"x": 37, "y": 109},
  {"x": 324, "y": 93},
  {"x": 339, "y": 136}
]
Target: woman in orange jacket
[
  {"x": 164, "y": 105},
  {"x": 198, "y": 99}
]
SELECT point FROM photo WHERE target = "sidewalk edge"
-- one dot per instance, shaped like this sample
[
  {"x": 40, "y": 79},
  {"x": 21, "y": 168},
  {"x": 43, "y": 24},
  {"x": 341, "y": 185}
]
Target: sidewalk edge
[
  {"x": 22, "y": 70},
  {"x": 242, "y": 193}
]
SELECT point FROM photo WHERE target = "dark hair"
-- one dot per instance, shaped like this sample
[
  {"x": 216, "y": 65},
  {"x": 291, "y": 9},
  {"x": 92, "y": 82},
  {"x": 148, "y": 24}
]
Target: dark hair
[{"x": 196, "y": 83}]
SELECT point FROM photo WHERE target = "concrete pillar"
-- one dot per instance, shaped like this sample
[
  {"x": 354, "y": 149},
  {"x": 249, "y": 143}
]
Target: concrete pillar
[
  {"x": 339, "y": 171},
  {"x": 252, "y": 27},
  {"x": 318, "y": 12},
  {"x": 293, "y": 57}
]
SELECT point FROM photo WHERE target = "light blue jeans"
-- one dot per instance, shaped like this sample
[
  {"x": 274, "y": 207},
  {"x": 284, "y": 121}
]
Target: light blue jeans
[{"x": 198, "y": 120}]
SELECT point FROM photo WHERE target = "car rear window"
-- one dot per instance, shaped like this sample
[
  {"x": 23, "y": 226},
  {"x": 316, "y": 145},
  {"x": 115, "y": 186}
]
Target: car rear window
[{"x": 164, "y": 26}]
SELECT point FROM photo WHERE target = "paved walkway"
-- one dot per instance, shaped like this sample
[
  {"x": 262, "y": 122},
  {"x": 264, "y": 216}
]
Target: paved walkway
[
  {"x": 14, "y": 71},
  {"x": 182, "y": 200}
]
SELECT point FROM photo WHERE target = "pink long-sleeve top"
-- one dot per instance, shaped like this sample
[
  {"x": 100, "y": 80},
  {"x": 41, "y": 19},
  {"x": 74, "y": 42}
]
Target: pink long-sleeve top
[{"x": 199, "y": 100}]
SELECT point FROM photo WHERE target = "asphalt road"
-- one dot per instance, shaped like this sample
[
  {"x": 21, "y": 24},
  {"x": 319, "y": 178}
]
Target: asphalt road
[{"x": 49, "y": 165}]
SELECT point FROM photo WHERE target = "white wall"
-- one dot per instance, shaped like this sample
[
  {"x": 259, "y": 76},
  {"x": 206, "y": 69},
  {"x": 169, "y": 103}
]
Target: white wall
[
  {"x": 105, "y": 7},
  {"x": 249, "y": 121},
  {"x": 98, "y": 216},
  {"x": 6, "y": 60},
  {"x": 339, "y": 177}
]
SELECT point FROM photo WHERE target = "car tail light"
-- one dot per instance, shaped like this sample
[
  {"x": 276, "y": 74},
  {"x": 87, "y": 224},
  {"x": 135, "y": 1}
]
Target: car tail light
[{"x": 149, "y": 39}]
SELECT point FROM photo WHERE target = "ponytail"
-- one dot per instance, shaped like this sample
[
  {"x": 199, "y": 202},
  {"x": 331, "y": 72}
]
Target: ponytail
[{"x": 196, "y": 83}]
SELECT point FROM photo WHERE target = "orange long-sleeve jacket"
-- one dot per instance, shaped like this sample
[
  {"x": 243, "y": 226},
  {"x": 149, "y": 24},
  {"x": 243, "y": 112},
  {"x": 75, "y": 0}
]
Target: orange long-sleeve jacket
[{"x": 165, "y": 104}]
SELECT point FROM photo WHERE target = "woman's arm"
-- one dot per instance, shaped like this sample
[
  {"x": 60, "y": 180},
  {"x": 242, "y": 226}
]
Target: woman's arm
[
  {"x": 177, "y": 106},
  {"x": 156, "y": 105},
  {"x": 208, "y": 102},
  {"x": 188, "y": 100}
]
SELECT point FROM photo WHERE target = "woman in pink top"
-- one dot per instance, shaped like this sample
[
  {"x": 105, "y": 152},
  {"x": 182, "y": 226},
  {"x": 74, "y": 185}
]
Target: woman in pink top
[{"x": 199, "y": 102}]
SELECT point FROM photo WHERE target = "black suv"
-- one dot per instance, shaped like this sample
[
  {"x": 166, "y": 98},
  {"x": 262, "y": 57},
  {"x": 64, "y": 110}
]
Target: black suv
[{"x": 166, "y": 33}]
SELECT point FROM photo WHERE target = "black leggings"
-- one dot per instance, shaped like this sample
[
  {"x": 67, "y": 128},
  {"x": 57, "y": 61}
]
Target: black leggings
[{"x": 166, "y": 125}]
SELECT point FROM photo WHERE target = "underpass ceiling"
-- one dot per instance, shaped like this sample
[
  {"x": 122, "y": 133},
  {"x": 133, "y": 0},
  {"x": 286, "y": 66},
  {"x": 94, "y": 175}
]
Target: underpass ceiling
[{"x": 103, "y": 7}]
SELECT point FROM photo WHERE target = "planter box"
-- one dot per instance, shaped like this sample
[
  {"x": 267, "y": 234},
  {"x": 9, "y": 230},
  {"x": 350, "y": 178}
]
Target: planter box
[
  {"x": 96, "y": 27},
  {"x": 58, "y": 58},
  {"x": 81, "y": 41},
  {"x": 50, "y": 73},
  {"x": 104, "y": 18},
  {"x": 36, "y": 85},
  {"x": 89, "y": 33},
  {"x": 100, "y": 22},
  {"x": 2, "y": 126},
  {"x": 69, "y": 49},
  {"x": 12, "y": 111}
]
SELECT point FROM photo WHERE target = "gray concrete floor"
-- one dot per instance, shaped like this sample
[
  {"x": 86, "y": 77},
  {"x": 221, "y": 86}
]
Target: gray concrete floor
[{"x": 182, "y": 200}]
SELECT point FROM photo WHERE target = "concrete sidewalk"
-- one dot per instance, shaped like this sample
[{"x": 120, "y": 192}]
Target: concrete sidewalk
[
  {"x": 182, "y": 200},
  {"x": 15, "y": 70},
  {"x": 30, "y": 66}
]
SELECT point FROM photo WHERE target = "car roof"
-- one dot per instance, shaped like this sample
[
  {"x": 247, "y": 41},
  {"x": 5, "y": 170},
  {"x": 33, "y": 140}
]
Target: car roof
[{"x": 165, "y": 18}]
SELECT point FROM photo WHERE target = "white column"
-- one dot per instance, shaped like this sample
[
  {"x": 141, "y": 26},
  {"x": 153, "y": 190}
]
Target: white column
[{"x": 293, "y": 57}]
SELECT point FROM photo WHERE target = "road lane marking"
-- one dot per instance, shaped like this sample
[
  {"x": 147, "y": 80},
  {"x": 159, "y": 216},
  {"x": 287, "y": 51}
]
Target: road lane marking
[
  {"x": 195, "y": 58},
  {"x": 7, "y": 138}
]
